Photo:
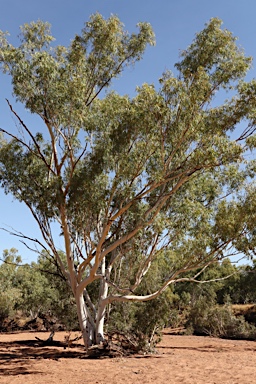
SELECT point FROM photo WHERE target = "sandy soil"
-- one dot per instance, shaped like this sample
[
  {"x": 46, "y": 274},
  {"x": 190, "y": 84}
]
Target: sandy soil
[{"x": 180, "y": 359}]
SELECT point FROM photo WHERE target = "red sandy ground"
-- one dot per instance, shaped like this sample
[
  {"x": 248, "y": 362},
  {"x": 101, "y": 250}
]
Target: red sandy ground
[{"x": 180, "y": 359}]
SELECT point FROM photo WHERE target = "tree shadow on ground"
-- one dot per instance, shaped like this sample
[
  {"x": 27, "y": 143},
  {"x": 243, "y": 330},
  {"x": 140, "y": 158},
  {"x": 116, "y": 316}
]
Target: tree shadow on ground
[
  {"x": 15, "y": 371},
  {"x": 16, "y": 357}
]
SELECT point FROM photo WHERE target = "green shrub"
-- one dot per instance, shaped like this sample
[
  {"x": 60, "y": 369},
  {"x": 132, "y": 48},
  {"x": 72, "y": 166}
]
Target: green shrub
[
  {"x": 8, "y": 299},
  {"x": 143, "y": 320},
  {"x": 219, "y": 321}
]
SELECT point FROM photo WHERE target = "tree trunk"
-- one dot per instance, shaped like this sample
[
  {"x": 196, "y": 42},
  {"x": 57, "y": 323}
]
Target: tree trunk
[
  {"x": 87, "y": 326},
  {"x": 99, "y": 332}
]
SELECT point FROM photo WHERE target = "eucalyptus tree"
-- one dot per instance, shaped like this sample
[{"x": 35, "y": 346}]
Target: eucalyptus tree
[{"x": 133, "y": 183}]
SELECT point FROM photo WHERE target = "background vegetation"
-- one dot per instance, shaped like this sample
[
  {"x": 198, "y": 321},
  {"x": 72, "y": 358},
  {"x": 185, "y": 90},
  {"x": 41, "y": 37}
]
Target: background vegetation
[{"x": 36, "y": 296}]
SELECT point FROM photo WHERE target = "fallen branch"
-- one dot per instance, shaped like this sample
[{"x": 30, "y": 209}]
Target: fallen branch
[{"x": 49, "y": 341}]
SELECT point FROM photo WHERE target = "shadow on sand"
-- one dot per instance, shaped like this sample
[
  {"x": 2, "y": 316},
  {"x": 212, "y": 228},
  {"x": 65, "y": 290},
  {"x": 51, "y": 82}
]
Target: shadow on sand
[{"x": 16, "y": 358}]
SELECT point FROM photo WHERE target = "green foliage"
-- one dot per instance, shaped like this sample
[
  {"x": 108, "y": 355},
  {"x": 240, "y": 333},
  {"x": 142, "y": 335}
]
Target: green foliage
[
  {"x": 58, "y": 83},
  {"x": 7, "y": 302},
  {"x": 214, "y": 50},
  {"x": 206, "y": 309},
  {"x": 10, "y": 294},
  {"x": 243, "y": 291},
  {"x": 61, "y": 301},
  {"x": 35, "y": 292},
  {"x": 34, "y": 289},
  {"x": 223, "y": 277},
  {"x": 145, "y": 320},
  {"x": 208, "y": 319}
]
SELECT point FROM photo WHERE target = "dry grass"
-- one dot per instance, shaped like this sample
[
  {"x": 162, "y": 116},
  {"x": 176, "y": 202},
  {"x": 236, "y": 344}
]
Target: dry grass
[{"x": 241, "y": 309}]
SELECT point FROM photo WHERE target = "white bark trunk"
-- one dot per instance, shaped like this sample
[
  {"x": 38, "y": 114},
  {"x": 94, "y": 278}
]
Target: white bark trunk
[
  {"x": 99, "y": 332},
  {"x": 86, "y": 326}
]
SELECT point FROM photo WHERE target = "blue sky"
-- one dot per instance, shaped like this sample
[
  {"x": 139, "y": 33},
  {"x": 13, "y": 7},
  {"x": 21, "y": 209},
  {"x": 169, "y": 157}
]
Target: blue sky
[{"x": 175, "y": 23}]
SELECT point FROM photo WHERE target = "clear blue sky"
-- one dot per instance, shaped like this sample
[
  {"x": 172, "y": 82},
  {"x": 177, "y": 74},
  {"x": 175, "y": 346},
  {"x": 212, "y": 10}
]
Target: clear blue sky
[{"x": 175, "y": 23}]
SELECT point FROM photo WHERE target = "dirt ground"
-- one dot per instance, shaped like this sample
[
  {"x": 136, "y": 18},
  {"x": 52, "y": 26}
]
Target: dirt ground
[{"x": 180, "y": 359}]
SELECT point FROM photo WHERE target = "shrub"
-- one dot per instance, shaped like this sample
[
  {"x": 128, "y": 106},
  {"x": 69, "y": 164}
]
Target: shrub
[{"x": 219, "y": 321}]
